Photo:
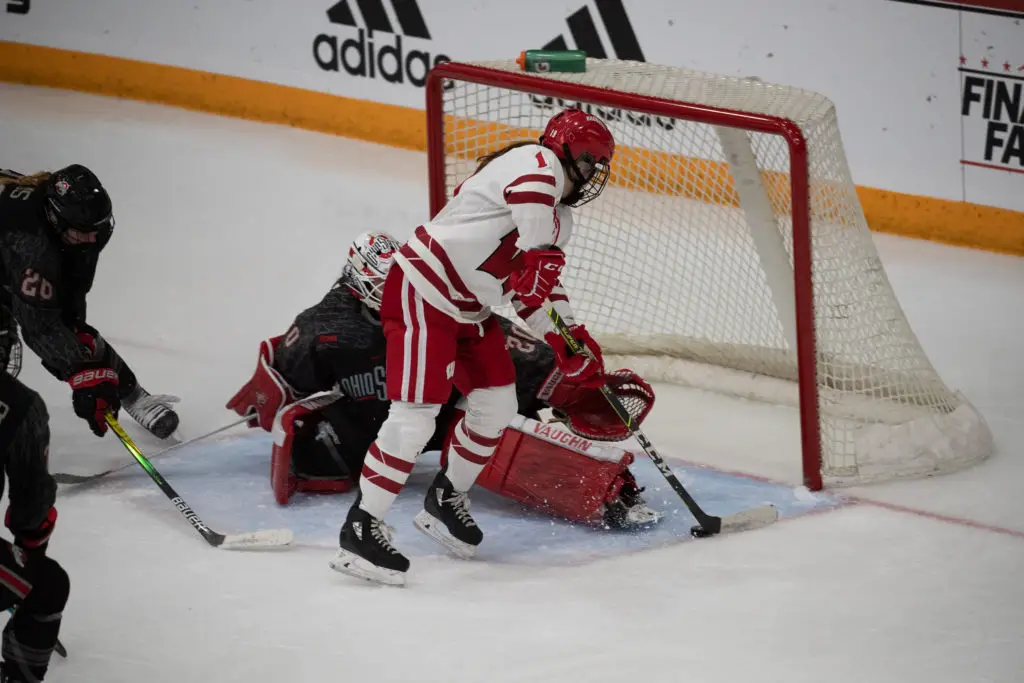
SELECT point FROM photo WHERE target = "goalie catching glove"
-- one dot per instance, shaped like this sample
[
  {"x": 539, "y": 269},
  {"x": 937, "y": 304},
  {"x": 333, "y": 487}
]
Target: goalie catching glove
[{"x": 587, "y": 412}]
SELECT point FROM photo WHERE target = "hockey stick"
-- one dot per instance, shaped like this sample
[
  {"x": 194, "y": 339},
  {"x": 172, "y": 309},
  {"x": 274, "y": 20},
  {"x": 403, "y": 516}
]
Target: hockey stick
[
  {"x": 707, "y": 525},
  {"x": 269, "y": 538},
  {"x": 63, "y": 478},
  {"x": 315, "y": 401},
  {"x": 58, "y": 647}
]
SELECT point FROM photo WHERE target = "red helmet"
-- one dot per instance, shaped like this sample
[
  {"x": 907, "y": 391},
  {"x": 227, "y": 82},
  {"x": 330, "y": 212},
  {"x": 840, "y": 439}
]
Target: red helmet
[{"x": 585, "y": 146}]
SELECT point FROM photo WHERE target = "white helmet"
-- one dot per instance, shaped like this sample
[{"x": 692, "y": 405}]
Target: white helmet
[{"x": 369, "y": 260}]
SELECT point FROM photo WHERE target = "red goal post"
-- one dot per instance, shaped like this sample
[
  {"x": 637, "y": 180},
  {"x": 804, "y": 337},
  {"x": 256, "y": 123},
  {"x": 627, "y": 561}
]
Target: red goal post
[{"x": 717, "y": 174}]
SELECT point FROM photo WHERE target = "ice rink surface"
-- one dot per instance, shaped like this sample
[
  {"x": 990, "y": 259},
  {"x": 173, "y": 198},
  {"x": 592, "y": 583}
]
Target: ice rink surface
[{"x": 226, "y": 229}]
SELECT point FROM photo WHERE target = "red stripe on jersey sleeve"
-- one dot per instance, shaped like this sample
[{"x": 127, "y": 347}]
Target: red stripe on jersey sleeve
[
  {"x": 530, "y": 198},
  {"x": 532, "y": 178},
  {"x": 437, "y": 283},
  {"x": 14, "y": 582},
  {"x": 525, "y": 312},
  {"x": 449, "y": 270}
]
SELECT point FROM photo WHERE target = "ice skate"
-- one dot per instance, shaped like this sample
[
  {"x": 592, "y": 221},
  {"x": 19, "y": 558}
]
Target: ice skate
[
  {"x": 9, "y": 674},
  {"x": 629, "y": 509},
  {"x": 153, "y": 412},
  {"x": 366, "y": 551},
  {"x": 445, "y": 518}
]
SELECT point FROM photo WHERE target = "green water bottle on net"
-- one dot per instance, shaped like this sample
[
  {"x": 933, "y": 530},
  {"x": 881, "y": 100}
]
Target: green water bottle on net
[{"x": 544, "y": 61}]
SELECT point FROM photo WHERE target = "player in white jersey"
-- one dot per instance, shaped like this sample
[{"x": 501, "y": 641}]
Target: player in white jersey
[{"x": 498, "y": 241}]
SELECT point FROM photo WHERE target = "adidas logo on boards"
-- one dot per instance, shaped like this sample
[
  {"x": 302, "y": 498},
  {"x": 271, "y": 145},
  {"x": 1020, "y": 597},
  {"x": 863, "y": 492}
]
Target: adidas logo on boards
[
  {"x": 625, "y": 46},
  {"x": 367, "y": 55}
]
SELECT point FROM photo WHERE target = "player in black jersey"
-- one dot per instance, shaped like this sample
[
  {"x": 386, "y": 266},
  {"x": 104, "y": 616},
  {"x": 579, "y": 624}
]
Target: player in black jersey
[
  {"x": 53, "y": 227},
  {"x": 338, "y": 344}
]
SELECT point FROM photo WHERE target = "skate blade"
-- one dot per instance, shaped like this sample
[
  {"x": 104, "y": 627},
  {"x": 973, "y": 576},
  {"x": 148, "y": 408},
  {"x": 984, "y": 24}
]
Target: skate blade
[
  {"x": 353, "y": 565},
  {"x": 431, "y": 526}
]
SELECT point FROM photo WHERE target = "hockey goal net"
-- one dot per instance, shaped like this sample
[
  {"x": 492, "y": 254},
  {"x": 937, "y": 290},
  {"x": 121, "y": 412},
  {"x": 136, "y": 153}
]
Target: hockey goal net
[{"x": 729, "y": 252}]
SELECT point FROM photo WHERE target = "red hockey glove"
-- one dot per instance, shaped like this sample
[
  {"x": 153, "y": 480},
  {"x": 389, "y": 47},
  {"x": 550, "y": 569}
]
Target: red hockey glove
[
  {"x": 585, "y": 369},
  {"x": 33, "y": 541},
  {"x": 588, "y": 412},
  {"x": 540, "y": 273},
  {"x": 93, "y": 393},
  {"x": 265, "y": 393}
]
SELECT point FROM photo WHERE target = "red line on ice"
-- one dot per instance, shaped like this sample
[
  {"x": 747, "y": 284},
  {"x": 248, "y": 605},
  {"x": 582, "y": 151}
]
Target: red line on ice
[{"x": 895, "y": 507}]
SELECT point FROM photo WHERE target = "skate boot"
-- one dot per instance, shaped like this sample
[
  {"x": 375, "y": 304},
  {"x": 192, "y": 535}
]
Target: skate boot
[
  {"x": 154, "y": 413},
  {"x": 12, "y": 673},
  {"x": 629, "y": 509},
  {"x": 366, "y": 551},
  {"x": 445, "y": 518}
]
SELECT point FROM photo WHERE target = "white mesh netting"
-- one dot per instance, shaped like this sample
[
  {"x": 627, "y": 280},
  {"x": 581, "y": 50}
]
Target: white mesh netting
[{"x": 684, "y": 264}]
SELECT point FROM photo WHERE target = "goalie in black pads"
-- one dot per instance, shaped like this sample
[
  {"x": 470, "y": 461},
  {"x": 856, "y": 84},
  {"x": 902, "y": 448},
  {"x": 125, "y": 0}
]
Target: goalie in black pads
[
  {"x": 53, "y": 227},
  {"x": 566, "y": 468}
]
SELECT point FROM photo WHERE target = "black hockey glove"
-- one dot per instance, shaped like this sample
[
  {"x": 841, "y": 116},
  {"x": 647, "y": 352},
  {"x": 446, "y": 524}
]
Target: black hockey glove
[
  {"x": 33, "y": 542},
  {"x": 94, "y": 392}
]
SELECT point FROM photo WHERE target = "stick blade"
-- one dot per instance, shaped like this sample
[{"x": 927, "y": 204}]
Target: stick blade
[
  {"x": 746, "y": 520},
  {"x": 256, "y": 540},
  {"x": 63, "y": 478}
]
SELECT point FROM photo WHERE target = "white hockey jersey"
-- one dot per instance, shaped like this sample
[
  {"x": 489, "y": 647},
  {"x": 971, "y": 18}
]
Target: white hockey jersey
[{"x": 461, "y": 260}]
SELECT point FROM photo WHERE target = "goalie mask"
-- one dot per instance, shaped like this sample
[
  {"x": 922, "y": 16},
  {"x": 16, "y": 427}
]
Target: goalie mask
[
  {"x": 587, "y": 413},
  {"x": 369, "y": 260}
]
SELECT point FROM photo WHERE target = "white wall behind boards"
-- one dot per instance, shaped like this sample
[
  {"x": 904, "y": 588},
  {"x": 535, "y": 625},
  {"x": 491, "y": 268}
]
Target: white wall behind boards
[{"x": 893, "y": 68}]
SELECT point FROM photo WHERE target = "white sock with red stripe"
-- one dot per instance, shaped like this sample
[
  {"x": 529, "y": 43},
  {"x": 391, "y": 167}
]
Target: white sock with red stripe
[
  {"x": 392, "y": 456},
  {"x": 468, "y": 456},
  {"x": 477, "y": 434}
]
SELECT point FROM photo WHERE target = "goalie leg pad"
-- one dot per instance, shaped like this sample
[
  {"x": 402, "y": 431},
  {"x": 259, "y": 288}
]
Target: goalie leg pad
[
  {"x": 552, "y": 470},
  {"x": 307, "y": 454}
]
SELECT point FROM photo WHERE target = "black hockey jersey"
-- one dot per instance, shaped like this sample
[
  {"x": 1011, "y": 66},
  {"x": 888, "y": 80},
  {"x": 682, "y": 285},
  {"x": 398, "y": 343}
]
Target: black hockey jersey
[
  {"x": 338, "y": 341},
  {"x": 44, "y": 285}
]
